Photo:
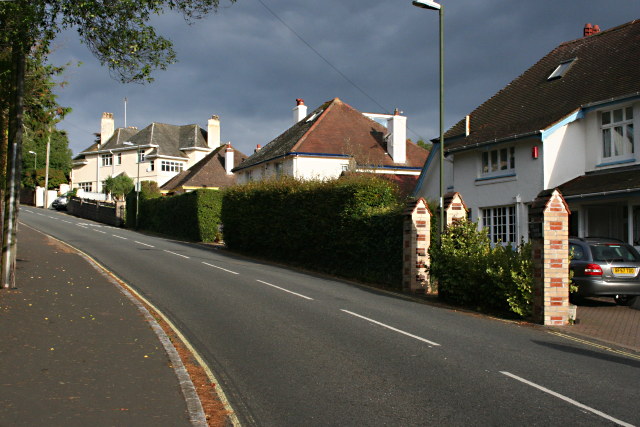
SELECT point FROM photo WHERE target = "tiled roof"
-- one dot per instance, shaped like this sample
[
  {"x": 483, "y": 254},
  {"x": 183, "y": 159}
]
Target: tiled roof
[
  {"x": 209, "y": 172},
  {"x": 336, "y": 128},
  {"x": 405, "y": 183},
  {"x": 606, "y": 66},
  {"x": 611, "y": 181}
]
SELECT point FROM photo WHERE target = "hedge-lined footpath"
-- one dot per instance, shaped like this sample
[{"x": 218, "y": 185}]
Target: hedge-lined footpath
[
  {"x": 351, "y": 227},
  {"x": 193, "y": 216}
]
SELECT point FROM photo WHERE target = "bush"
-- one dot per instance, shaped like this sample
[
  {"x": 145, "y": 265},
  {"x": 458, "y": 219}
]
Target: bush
[
  {"x": 472, "y": 273},
  {"x": 351, "y": 227},
  {"x": 191, "y": 216}
]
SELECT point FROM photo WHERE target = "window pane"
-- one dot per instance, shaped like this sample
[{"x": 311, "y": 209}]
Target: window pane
[
  {"x": 630, "y": 138},
  {"x": 503, "y": 159},
  {"x": 485, "y": 162},
  {"x": 494, "y": 160},
  {"x": 606, "y": 142},
  {"x": 617, "y": 116},
  {"x": 618, "y": 148},
  {"x": 512, "y": 160},
  {"x": 629, "y": 113},
  {"x": 606, "y": 118}
]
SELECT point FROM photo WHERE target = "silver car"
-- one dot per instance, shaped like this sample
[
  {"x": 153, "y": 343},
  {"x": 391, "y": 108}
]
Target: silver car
[{"x": 605, "y": 267}]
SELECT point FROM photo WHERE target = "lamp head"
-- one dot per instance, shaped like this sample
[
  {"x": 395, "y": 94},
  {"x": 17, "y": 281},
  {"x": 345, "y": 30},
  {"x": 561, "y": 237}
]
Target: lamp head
[
  {"x": 32, "y": 152},
  {"x": 427, "y": 4}
]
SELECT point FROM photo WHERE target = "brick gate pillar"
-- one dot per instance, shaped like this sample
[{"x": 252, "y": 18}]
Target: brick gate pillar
[
  {"x": 416, "y": 241},
  {"x": 549, "y": 235},
  {"x": 454, "y": 208}
]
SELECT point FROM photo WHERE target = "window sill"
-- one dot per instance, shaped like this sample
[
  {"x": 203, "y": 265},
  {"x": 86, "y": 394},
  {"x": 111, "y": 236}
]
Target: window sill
[
  {"x": 496, "y": 179},
  {"x": 616, "y": 162}
]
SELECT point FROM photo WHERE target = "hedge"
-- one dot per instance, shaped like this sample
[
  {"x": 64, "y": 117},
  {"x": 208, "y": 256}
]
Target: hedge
[
  {"x": 191, "y": 216},
  {"x": 350, "y": 227}
]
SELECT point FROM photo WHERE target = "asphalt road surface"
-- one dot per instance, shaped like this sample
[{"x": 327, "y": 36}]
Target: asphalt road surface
[{"x": 293, "y": 349}]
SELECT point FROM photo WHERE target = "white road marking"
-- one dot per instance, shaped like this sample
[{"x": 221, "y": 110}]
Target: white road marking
[
  {"x": 119, "y": 237},
  {"x": 285, "y": 290},
  {"x": 144, "y": 244},
  {"x": 173, "y": 253},
  {"x": 99, "y": 231},
  {"x": 68, "y": 222},
  {"x": 567, "y": 399},
  {"x": 219, "y": 268},
  {"x": 392, "y": 328}
]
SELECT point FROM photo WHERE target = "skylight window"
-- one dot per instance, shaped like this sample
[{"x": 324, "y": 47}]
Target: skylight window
[{"x": 561, "y": 69}]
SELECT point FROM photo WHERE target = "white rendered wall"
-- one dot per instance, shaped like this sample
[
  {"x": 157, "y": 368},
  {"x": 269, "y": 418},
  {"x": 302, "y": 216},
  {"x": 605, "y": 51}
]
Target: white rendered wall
[
  {"x": 319, "y": 168},
  {"x": 564, "y": 154}
]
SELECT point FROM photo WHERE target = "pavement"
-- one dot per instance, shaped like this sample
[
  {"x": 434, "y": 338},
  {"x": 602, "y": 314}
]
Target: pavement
[{"x": 76, "y": 349}]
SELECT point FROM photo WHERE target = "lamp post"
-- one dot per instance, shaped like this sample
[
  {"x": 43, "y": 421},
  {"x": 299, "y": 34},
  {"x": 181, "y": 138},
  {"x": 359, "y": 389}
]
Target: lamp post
[
  {"x": 137, "y": 180},
  {"x": 427, "y": 4},
  {"x": 35, "y": 160}
]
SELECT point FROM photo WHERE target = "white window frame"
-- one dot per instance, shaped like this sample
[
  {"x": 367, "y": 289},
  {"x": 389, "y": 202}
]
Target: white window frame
[
  {"x": 85, "y": 186},
  {"x": 118, "y": 159},
  {"x": 141, "y": 155},
  {"x": 106, "y": 160},
  {"x": 501, "y": 223},
  {"x": 622, "y": 147},
  {"x": 498, "y": 162},
  {"x": 169, "y": 166}
]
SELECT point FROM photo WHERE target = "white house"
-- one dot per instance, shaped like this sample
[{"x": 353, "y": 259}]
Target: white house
[
  {"x": 572, "y": 122},
  {"x": 156, "y": 153},
  {"x": 333, "y": 139}
]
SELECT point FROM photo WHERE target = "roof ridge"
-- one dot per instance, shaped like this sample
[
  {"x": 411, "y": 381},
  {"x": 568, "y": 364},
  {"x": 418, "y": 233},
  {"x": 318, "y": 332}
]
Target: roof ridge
[{"x": 598, "y": 34}]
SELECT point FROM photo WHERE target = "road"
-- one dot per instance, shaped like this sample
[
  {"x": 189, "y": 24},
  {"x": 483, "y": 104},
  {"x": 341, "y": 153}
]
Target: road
[{"x": 294, "y": 349}]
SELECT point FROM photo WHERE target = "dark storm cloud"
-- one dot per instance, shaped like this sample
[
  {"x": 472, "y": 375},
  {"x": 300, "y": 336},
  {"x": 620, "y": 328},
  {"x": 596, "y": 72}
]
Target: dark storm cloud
[{"x": 248, "y": 67}]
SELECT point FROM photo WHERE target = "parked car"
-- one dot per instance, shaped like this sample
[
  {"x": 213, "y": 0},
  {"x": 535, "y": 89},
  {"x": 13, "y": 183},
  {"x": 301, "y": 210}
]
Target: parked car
[
  {"x": 60, "y": 203},
  {"x": 605, "y": 267}
]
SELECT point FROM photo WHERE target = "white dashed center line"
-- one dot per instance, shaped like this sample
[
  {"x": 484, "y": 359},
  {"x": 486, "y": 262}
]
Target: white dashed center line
[{"x": 285, "y": 290}]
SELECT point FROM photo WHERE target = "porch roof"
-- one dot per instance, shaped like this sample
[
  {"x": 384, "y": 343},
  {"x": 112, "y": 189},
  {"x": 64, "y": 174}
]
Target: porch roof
[{"x": 606, "y": 183}]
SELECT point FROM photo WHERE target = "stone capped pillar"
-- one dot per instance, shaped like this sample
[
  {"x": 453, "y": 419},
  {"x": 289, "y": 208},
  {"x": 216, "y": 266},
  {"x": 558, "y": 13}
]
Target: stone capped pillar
[
  {"x": 416, "y": 241},
  {"x": 454, "y": 208},
  {"x": 549, "y": 235}
]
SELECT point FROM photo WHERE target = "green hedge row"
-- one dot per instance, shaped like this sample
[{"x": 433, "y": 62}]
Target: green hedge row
[
  {"x": 351, "y": 227},
  {"x": 191, "y": 216},
  {"x": 471, "y": 272}
]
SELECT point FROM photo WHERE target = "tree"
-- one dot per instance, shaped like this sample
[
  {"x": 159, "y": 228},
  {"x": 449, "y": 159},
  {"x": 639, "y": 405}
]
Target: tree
[
  {"x": 118, "y": 186},
  {"x": 118, "y": 34}
]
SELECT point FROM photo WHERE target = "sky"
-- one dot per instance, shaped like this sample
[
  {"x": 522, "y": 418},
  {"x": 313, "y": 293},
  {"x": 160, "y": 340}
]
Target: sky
[{"x": 249, "y": 62}]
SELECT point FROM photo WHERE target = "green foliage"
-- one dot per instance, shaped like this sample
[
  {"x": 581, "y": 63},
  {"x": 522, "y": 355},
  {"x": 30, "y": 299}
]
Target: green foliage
[
  {"x": 148, "y": 190},
  {"x": 472, "y": 273},
  {"x": 118, "y": 186},
  {"x": 32, "y": 179},
  {"x": 425, "y": 145},
  {"x": 191, "y": 216},
  {"x": 350, "y": 227}
]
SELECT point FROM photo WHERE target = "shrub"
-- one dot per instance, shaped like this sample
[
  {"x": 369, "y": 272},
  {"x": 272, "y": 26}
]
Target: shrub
[{"x": 472, "y": 273}]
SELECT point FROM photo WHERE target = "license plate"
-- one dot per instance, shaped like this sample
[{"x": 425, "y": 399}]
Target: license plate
[{"x": 624, "y": 270}]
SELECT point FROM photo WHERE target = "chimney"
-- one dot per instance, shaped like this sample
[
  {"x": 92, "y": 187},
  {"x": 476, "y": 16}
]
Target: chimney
[
  {"x": 213, "y": 132},
  {"x": 228, "y": 159},
  {"x": 107, "y": 127},
  {"x": 300, "y": 111},
  {"x": 590, "y": 30},
  {"x": 258, "y": 147},
  {"x": 467, "y": 125},
  {"x": 397, "y": 138}
]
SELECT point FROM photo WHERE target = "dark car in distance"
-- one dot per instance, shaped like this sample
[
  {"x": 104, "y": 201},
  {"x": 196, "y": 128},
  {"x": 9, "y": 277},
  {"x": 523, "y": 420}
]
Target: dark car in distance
[
  {"x": 60, "y": 203},
  {"x": 605, "y": 268}
]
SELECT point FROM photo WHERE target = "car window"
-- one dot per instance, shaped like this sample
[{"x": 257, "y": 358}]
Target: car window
[
  {"x": 576, "y": 251},
  {"x": 611, "y": 252}
]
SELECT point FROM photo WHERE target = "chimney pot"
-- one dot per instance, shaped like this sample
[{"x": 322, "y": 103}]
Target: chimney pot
[
  {"x": 588, "y": 30},
  {"x": 258, "y": 147},
  {"x": 299, "y": 101},
  {"x": 596, "y": 29}
]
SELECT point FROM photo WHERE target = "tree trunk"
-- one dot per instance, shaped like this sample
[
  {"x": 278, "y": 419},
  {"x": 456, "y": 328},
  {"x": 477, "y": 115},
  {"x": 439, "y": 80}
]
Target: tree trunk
[{"x": 14, "y": 165}]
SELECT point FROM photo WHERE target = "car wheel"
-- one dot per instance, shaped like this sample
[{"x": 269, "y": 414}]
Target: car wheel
[{"x": 622, "y": 299}]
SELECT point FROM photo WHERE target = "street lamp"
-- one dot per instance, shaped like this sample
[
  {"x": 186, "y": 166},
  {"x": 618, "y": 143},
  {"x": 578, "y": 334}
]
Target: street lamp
[
  {"x": 427, "y": 4},
  {"x": 35, "y": 160}
]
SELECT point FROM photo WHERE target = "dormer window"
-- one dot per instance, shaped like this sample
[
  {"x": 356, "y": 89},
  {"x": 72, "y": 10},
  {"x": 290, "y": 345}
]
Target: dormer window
[
  {"x": 617, "y": 134},
  {"x": 561, "y": 69}
]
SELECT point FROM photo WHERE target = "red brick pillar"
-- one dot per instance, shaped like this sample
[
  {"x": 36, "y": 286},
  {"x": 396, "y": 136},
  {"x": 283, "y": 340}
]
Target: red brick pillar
[
  {"x": 416, "y": 241},
  {"x": 454, "y": 208},
  {"x": 549, "y": 235}
]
